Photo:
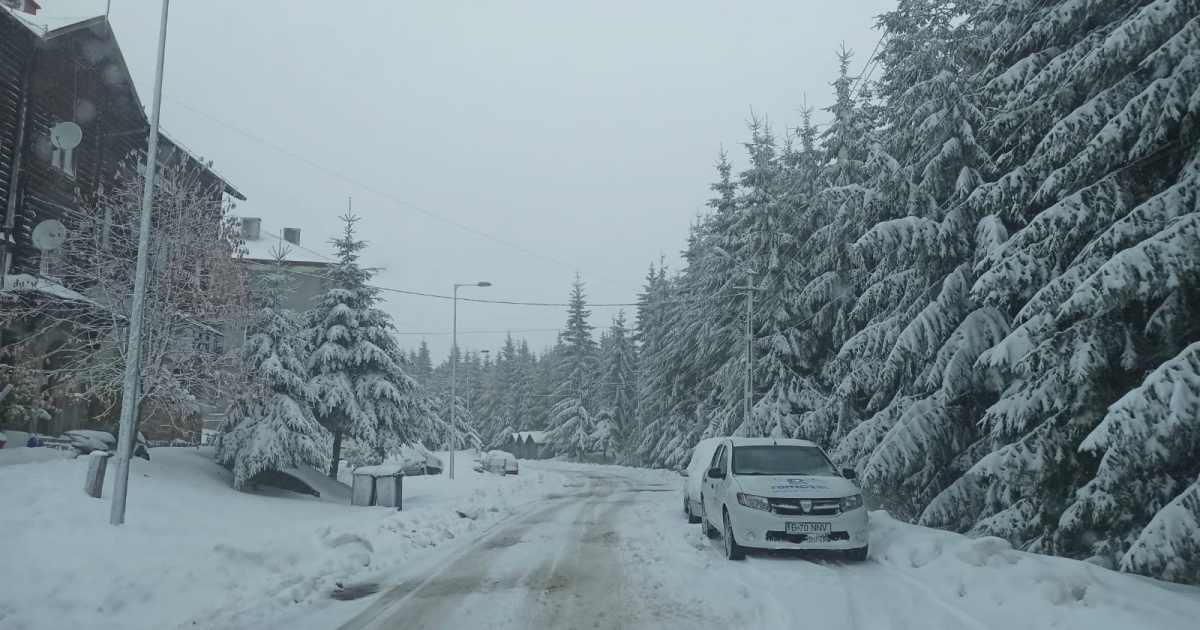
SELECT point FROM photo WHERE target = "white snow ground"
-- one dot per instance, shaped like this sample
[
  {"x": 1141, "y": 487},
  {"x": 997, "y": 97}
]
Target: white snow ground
[
  {"x": 194, "y": 550},
  {"x": 570, "y": 546},
  {"x": 616, "y": 552}
]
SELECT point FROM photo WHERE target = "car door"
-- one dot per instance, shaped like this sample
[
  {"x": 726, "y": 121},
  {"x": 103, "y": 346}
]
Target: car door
[
  {"x": 721, "y": 485},
  {"x": 708, "y": 496}
]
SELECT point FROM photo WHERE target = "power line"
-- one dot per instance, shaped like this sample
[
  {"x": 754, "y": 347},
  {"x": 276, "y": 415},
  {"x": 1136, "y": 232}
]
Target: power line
[
  {"x": 481, "y": 332},
  {"x": 394, "y": 199},
  {"x": 504, "y": 302}
]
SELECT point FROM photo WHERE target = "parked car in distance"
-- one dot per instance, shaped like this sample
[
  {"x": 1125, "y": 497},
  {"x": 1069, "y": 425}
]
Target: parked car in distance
[
  {"x": 501, "y": 463},
  {"x": 702, "y": 454},
  {"x": 770, "y": 493},
  {"x": 417, "y": 460}
]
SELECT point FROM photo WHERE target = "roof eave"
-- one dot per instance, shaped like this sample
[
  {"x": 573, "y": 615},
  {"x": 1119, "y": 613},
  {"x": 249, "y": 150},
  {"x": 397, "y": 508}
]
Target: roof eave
[{"x": 65, "y": 30}]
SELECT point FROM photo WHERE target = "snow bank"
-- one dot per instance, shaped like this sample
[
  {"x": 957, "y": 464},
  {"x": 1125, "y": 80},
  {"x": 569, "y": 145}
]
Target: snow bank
[
  {"x": 23, "y": 455},
  {"x": 194, "y": 550},
  {"x": 1010, "y": 587}
]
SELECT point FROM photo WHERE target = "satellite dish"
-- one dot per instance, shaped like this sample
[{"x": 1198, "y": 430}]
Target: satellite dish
[
  {"x": 66, "y": 135},
  {"x": 49, "y": 235}
]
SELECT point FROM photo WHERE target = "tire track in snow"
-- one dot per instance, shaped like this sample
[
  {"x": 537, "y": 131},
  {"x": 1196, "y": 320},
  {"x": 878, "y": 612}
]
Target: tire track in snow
[{"x": 463, "y": 573}]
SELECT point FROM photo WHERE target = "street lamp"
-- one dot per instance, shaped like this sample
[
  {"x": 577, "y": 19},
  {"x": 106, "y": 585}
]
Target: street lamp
[
  {"x": 131, "y": 387},
  {"x": 454, "y": 374},
  {"x": 750, "y": 273}
]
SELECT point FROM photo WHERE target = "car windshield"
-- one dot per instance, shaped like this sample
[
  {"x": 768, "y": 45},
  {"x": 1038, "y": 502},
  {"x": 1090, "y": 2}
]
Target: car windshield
[{"x": 781, "y": 460}]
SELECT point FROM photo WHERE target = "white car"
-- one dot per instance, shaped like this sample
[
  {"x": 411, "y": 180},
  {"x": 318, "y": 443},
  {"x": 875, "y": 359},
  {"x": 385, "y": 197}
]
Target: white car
[
  {"x": 697, "y": 466},
  {"x": 501, "y": 462},
  {"x": 769, "y": 493}
]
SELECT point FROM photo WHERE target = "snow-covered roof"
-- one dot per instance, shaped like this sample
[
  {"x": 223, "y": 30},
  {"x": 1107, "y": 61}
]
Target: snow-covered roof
[
  {"x": 23, "y": 282},
  {"x": 59, "y": 17},
  {"x": 172, "y": 145},
  {"x": 538, "y": 437},
  {"x": 766, "y": 441},
  {"x": 263, "y": 249}
]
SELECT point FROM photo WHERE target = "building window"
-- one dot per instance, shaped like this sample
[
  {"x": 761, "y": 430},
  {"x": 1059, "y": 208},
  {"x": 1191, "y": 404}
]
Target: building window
[{"x": 63, "y": 160}]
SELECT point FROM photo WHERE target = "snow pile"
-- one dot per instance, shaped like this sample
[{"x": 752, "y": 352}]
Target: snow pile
[
  {"x": 194, "y": 550},
  {"x": 1008, "y": 587}
]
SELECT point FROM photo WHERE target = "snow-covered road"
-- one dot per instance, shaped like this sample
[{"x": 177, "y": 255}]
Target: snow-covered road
[
  {"x": 614, "y": 551},
  {"x": 555, "y": 567}
]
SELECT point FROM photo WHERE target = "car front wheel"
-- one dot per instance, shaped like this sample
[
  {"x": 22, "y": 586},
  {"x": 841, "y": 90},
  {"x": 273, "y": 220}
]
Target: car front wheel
[{"x": 733, "y": 550}]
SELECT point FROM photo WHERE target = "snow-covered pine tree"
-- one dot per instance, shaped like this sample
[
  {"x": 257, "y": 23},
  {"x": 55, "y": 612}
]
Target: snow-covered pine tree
[
  {"x": 932, "y": 119},
  {"x": 542, "y": 398},
  {"x": 570, "y": 424},
  {"x": 618, "y": 376},
  {"x": 832, "y": 222},
  {"x": 422, "y": 368},
  {"x": 604, "y": 435},
  {"x": 270, "y": 423},
  {"x": 1099, "y": 196},
  {"x": 361, "y": 389},
  {"x": 524, "y": 382},
  {"x": 573, "y": 427}
]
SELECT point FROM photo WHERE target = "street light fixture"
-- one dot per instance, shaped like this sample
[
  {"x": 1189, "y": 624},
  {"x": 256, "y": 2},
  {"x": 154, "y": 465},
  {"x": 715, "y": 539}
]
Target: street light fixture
[
  {"x": 748, "y": 402},
  {"x": 454, "y": 374}
]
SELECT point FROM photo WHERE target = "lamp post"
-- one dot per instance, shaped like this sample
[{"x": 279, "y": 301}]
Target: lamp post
[
  {"x": 132, "y": 385},
  {"x": 454, "y": 374},
  {"x": 748, "y": 402}
]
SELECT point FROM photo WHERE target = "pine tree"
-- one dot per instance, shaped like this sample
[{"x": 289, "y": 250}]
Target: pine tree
[
  {"x": 576, "y": 360},
  {"x": 361, "y": 390},
  {"x": 270, "y": 424},
  {"x": 618, "y": 375},
  {"x": 1099, "y": 198},
  {"x": 422, "y": 365}
]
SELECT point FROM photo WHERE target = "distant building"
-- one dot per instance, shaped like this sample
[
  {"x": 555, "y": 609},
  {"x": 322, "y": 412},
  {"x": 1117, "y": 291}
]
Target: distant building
[
  {"x": 305, "y": 267},
  {"x": 305, "y": 270},
  {"x": 527, "y": 445}
]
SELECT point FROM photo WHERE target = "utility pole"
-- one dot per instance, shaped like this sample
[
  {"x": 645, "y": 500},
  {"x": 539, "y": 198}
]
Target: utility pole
[
  {"x": 133, "y": 353},
  {"x": 749, "y": 402}
]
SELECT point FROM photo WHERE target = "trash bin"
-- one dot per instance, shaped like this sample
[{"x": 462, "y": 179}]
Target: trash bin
[
  {"x": 363, "y": 490},
  {"x": 389, "y": 490},
  {"x": 378, "y": 485}
]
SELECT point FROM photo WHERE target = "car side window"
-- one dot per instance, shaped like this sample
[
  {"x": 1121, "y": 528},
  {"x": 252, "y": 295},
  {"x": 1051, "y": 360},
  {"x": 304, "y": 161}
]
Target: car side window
[
  {"x": 723, "y": 464},
  {"x": 716, "y": 460}
]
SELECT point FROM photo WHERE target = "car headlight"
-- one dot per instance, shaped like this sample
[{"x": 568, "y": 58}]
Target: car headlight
[
  {"x": 852, "y": 503},
  {"x": 754, "y": 502}
]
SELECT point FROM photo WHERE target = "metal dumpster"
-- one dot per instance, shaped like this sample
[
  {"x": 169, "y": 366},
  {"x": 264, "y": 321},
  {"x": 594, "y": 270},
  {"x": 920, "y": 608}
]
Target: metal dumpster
[{"x": 379, "y": 485}]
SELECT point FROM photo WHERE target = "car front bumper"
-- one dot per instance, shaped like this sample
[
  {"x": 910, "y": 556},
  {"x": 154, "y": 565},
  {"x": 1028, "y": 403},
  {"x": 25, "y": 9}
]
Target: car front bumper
[{"x": 764, "y": 530}]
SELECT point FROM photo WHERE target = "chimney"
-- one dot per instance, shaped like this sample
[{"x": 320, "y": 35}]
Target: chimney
[
  {"x": 250, "y": 228},
  {"x": 292, "y": 235}
]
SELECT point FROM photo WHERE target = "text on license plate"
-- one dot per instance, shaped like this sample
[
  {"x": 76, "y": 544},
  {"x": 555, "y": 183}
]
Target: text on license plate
[{"x": 808, "y": 528}]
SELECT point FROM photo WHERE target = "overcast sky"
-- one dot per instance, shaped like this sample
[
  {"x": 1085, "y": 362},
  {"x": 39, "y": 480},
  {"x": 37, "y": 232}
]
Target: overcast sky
[{"x": 584, "y": 132}]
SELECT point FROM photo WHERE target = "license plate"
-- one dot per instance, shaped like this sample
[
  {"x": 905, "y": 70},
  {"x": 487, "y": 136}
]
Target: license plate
[{"x": 808, "y": 528}]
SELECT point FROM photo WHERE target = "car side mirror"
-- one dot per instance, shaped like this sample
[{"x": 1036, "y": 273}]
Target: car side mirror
[
  {"x": 849, "y": 473},
  {"x": 715, "y": 473},
  {"x": 682, "y": 472}
]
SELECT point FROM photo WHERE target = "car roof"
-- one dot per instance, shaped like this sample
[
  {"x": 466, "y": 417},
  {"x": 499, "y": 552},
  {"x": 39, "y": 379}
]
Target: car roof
[{"x": 767, "y": 441}]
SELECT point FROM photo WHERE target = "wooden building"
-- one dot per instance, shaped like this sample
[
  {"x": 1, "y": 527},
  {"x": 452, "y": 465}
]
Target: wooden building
[
  {"x": 527, "y": 445},
  {"x": 65, "y": 70}
]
